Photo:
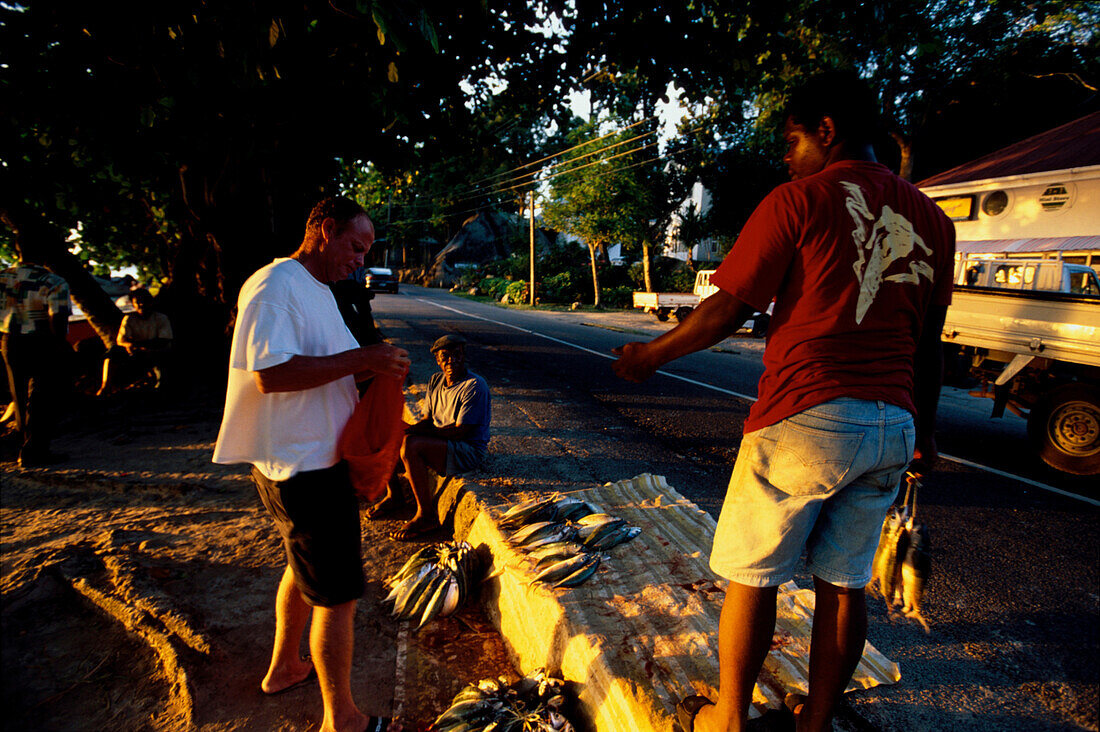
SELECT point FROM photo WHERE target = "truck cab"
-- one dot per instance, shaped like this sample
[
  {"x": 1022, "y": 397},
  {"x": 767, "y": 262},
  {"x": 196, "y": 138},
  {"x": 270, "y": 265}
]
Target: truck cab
[{"x": 1043, "y": 275}]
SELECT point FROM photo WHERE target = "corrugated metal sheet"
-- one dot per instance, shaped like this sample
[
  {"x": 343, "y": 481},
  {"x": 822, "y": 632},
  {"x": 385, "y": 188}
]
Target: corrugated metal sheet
[
  {"x": 1073, "y": 145},
  {"x": 643, "y": 632},
  {"x": 1043, "y": 244}
]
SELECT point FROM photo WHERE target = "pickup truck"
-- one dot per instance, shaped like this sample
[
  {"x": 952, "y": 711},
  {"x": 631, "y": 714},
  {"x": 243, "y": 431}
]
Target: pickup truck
[
  {"x": 1029, "y": 331},
  {"x": 680, "y": 304}
]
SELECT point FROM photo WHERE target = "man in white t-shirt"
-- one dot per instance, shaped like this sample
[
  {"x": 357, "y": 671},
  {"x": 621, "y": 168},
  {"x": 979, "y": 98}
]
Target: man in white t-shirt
[{"x": 293, "y": 369}]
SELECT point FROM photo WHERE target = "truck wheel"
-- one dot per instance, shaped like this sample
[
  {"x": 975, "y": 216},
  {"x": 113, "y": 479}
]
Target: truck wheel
[
  {"x": 1064, "y": 426},
  {"x": 662, "y": 314},
  {"x": 760, "y": 325},
  {"x": 681, "y": 313}
]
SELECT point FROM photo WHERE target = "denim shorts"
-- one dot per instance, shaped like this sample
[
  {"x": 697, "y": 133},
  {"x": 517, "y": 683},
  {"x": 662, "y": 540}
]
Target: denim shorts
[
  {"x": 317, "y": 515},
  {"x": 462, "y": 457},
  {"x": 821, "y": 480}
]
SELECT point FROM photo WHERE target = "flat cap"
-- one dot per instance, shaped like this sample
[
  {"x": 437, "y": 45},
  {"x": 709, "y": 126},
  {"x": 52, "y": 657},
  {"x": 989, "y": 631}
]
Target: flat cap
[{"x": 448, "y": 341}]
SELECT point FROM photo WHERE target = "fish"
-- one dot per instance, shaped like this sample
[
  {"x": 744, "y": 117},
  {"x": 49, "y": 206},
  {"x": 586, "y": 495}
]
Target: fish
[
  {"x": 522, "y": 513},
  {"x": 553, "y": 549},
  {"x": 915, "y": 569},
  {"x": 414, "y": 588},
  {"x": 582, "y": 574},
  {"x": 435, "y": 602},
  {"x": 890, "y": 582},
  {"x": 887, "y": 546},
  {"x": 572, "y": 509},
  {"x": 562, "y": 533},
  {"x": 431, "y": 589},
  {"x": 611, "y": 537},
  {"x": 532, "y": 531},
  {"x": 563, "y": 568},
  {"x": 415, "y": 562},
  {"x": 452, "y": 597},
  {"x": 566, "y": 550}
]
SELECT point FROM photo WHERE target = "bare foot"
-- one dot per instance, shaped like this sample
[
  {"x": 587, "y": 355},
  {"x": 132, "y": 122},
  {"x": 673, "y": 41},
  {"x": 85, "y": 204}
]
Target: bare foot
[
  {"x": 357, "y": 722},
  {"x": 286, "y": 678},
  {"x": 414, "y": 529},
  {"x": 384, "y": 506}
]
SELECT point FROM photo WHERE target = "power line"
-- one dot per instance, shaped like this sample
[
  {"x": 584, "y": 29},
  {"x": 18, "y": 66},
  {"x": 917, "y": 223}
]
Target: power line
[
  {"x": 592, "y": 177},
  {"x": 472, "y": 192},
  {"x": 562, "y": 152}
]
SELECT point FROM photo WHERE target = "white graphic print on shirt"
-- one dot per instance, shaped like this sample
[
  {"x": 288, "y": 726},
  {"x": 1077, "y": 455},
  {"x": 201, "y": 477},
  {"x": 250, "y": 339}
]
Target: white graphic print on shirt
[{"x": 890, "y": 238}]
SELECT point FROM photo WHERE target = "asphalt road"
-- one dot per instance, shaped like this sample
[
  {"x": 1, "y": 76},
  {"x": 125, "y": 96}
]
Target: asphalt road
[{"x": 1013, "y": 601}]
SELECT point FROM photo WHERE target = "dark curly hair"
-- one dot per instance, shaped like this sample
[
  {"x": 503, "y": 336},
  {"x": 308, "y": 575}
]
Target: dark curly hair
[
  {"x": 844, "y": 97},
  {"x": 338, "y": 208}
]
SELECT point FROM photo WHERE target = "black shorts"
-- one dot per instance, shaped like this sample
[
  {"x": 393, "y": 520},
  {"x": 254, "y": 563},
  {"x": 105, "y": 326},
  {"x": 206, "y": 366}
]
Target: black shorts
[{"x": 317, "y": 514}]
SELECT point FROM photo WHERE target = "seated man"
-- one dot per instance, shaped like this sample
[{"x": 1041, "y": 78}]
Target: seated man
[
  {"x": 451, "y": 439},
  {"x": 145, "y": 336}
]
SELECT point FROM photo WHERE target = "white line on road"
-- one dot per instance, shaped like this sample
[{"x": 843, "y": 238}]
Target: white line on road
[{"x": 960, "y": 461}]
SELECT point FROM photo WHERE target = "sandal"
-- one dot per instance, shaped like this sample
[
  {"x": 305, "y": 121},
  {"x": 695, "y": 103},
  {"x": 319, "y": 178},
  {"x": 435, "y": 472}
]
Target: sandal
[{"x": 687, "y": 708}]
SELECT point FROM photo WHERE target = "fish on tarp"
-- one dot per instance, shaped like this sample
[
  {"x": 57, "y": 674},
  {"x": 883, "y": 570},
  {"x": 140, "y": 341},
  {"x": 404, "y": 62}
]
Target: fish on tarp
[
  {"x": 915, "y": 570},
  {"x": 524, "y": 512},
  {"x": 581, "y": 575},
  {"x": 563, "y": 568},
  {"x": 610, "y": 536}
]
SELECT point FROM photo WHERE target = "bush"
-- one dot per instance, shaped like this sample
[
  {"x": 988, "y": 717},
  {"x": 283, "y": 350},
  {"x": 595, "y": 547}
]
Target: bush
[
  {"x": 517, "y": 292},
  {"x": 558, "y": 288},
  {"x": 617, "y": 297},
  {"x": 681, "y": 279},
  {"x": 494, "y": 287},
  {"x": 514, "y": 267}
]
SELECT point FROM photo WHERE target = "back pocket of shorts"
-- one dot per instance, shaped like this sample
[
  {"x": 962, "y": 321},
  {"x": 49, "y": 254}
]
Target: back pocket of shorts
[{"x": 809, "y": 462}]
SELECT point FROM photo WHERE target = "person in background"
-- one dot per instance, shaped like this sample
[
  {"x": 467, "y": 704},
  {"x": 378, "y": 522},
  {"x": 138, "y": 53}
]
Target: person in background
[
  {"x": 143, "y": 342},
  {"x": 859, "y": 263},
  {"x": 354, "y": 301},
  {"x": 452, "y": 438},
  {"x": 292, "y": 387},
  {"x": 34, "y": 320}
]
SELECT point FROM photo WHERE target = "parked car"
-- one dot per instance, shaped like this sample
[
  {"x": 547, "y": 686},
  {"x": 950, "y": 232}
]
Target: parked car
[{"x": 380, "y": 279}]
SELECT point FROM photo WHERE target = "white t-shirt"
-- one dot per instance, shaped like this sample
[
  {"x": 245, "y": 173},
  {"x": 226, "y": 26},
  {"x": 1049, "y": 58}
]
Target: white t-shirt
[{"x": 283, "y": 311}]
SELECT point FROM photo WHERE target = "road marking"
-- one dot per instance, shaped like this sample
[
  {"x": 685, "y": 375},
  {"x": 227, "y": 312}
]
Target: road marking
[
  {"x": 400, "y": 670},
  {"x": 960, "y": 461},
  {"x": 1021, "y": 479}
]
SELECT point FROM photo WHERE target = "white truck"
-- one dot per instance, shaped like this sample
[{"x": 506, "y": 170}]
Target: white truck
[
  {"x": 680, "y": 304},
  {"x": 1029, "y": 331}
]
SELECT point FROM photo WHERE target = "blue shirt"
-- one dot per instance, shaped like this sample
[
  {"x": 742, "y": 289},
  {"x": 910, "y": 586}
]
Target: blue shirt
[{"x": 466, "y": 403}]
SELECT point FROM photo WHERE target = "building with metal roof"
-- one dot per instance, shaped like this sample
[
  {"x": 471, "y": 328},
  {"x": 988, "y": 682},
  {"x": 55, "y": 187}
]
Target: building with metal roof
[{"x": 1039, "y": 197}]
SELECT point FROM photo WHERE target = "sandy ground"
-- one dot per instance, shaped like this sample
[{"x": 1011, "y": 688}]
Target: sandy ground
[{"x": 138, "y": 582}]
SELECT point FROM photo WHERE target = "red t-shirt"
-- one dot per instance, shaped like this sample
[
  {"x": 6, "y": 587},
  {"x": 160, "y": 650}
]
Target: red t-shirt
[{"x": 853, "y": 257}]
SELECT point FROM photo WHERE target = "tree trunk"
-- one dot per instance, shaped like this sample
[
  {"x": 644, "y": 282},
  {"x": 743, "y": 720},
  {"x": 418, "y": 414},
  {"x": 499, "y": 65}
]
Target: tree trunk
[
  {"x": 645, "y": 266},
  {"x": 40, "y": 242},
  {"x": 905, "y": 166},
  {"x": 592, "y": 248}
]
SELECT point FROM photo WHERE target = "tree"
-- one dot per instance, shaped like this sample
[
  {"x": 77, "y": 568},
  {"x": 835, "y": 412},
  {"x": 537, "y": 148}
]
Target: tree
[
  {"x": 190, "y": 138},
  {"x": 599, "y": 198}
]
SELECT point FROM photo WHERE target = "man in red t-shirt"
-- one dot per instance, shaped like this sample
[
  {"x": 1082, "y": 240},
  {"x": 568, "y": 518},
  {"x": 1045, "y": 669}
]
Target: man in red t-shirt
[{"x": 859, "y": 264}]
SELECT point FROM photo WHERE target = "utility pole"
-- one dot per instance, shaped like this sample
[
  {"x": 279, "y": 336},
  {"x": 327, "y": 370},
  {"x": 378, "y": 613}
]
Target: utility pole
[
  {"x": 531, "y": 286},
  {"x": 386, "y": 251}
]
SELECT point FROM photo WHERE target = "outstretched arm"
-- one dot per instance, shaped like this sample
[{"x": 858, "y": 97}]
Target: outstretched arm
[
  {"x": 308, "y": 372},
  {"x": 717, "y": 317}
]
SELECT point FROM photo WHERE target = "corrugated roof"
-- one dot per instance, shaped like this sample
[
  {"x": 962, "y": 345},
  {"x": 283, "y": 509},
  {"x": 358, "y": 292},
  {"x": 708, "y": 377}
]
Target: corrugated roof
[
  {"x": 1073, "y": 145},
  {"x": 1043, "y": 244}
]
